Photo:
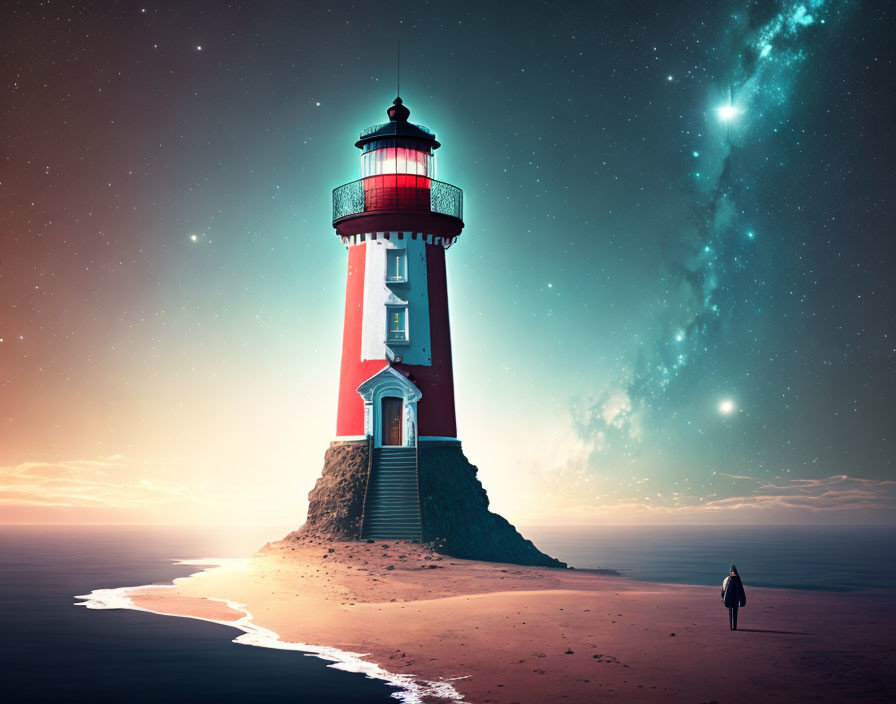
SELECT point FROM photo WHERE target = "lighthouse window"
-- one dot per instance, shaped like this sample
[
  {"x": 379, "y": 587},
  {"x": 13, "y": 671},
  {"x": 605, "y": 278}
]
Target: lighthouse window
[
  {"x": 397, "y": 324},
  {"x": 396, "y": 266},
  {"x": 396, "y": 160}
]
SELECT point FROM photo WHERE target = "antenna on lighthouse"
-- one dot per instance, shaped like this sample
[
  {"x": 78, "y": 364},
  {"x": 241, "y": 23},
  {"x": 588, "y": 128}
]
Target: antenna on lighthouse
[{"x": 398, "y": 69}]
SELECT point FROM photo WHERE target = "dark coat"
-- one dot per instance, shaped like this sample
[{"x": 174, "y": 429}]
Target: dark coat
[{"x": 733, "y": 592}]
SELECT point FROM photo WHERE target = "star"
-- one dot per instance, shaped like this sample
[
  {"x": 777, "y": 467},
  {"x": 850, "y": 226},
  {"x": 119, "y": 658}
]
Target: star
[
  {"x": 728, "y": 112},
  {"x": 727, "y": 407}
]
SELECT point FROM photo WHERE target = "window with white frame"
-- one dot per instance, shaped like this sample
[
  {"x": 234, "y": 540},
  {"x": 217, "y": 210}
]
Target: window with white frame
[
  {"x": 396, "y": 266},
  {"x": 397, "y": 325}
]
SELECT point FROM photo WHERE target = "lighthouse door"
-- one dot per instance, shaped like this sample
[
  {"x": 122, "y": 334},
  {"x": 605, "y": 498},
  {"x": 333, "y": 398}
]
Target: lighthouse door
[{"x": 392, "y": 408}]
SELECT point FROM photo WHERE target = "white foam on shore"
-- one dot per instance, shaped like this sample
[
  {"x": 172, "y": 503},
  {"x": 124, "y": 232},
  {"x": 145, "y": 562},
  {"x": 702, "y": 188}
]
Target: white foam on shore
[{"x": 412, "y": 689}]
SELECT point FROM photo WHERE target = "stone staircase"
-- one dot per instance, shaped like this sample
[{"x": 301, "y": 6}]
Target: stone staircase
[{"x": 392, "y": 509}]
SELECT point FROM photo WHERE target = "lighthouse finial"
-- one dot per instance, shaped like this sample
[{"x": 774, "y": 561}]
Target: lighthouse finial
[
  {"x": 398, "y": 70},
  {"x": 397, "y": 112}
]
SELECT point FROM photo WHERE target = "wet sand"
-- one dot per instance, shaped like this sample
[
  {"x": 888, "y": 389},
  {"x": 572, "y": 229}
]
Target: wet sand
[{"x": 503, "y": 633}]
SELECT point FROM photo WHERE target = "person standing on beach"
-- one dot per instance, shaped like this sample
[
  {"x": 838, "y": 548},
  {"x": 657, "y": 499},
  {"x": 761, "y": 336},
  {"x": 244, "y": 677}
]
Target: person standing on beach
[{"x": 733, "y": 596}]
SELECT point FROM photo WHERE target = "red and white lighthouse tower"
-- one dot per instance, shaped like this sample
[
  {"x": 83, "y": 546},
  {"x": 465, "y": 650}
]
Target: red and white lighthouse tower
[
  {"x": 397, "y": 470},
  {"x": 397, "y": 221}
]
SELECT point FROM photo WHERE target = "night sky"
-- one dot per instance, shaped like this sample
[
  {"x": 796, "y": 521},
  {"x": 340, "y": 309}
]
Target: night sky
[{"x": 671, "y": 301}]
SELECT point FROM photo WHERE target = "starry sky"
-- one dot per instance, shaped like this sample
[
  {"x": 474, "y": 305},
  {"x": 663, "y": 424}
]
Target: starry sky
[{"x": 671, "y": 302}]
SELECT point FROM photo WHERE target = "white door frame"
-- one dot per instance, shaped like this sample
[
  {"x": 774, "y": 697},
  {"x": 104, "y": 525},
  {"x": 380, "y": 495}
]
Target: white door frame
[{"x": 389, "y": 382}]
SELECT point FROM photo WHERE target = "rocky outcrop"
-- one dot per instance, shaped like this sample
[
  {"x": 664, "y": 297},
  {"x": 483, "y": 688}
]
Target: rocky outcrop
[
  {"x": 454, "y": 506},
  {"x": 336, "y": 503},
  {"x": 456, "y": 519}
]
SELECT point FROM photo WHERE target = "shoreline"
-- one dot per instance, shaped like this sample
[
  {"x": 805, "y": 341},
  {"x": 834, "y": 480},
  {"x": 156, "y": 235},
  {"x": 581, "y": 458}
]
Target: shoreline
[
  {"x": 444, "y": 629},
  {"x": 411, "y": 690}
]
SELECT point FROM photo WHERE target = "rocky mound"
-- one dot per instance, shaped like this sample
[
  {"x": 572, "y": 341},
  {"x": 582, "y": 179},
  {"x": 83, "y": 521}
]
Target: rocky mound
[{"x": 454, "y": 506}]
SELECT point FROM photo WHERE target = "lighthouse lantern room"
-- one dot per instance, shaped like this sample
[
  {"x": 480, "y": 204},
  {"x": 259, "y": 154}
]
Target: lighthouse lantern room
[{"x": 396, "y": 384}]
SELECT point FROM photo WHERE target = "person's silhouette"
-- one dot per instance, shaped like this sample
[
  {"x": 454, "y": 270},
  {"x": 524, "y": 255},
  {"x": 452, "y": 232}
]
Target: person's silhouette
[{"x": 733, "y": 596}]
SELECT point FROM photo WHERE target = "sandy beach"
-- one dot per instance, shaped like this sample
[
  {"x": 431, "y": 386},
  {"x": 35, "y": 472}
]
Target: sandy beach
[{"x": 504, "y": 633}]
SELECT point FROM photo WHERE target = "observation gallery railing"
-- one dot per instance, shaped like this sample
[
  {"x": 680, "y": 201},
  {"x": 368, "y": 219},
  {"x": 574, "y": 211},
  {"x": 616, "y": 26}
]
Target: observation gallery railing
[{"x": 397, "y": 192}]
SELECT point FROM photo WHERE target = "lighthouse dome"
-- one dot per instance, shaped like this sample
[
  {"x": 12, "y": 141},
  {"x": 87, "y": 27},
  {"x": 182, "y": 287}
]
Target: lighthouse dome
[{"x": 397, "y": 132}]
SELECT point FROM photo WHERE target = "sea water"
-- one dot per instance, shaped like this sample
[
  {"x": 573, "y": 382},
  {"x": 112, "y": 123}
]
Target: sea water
[
  {"x": 814, "y": 557},
  {"x": 53, "y": 651}
]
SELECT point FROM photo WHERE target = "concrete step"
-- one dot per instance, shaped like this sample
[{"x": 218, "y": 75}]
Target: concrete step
[
  {"x": 392, "y": 510},
  {"x": 413, "y": 537}
]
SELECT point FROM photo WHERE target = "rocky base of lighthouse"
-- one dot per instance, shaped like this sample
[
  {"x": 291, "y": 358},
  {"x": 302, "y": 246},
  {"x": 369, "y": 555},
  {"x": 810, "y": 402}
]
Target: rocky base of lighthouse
[
  {"x": 336, "y": 503},
  {"x": 456, "y": 519},
  {"x": 454, "y": 506}
]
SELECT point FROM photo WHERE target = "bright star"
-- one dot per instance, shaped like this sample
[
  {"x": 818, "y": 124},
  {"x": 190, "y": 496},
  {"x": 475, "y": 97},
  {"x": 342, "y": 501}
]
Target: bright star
[
  {"x": 728, "y": 112},
  {"x": 194, "y": 238},
  {"x": 727, "y": 407}
]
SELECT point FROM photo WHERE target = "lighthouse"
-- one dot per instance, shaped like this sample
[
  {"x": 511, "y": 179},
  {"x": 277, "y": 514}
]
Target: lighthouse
[
  {"x": 397, "y": 222},
  {"x": 396, "y": 469},
  {"x": 396, "y": 386}
]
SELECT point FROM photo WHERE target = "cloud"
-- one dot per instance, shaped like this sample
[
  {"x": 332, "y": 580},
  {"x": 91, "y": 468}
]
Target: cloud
[
  {"x": 112, "y": 482},
  {"x": 838, "y": 499},
  {"x": 615, "y": 407},
  {"x": 835, "y": 493},
  {"x": 120, "y": 489},
  {"x": 609, "y": 419}
]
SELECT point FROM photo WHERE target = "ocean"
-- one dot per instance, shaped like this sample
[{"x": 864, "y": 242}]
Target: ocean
[
  {"x": 817, "y": 557},
  {"x": 52, "y": 650}
]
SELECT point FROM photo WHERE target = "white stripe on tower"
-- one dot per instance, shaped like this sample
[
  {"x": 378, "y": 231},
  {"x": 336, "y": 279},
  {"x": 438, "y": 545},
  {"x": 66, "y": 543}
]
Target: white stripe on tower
[{"x": 378, "y": 294}]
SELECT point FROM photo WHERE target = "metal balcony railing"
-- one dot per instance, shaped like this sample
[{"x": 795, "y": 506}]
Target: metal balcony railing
[{"x": 397, "y": 192}]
